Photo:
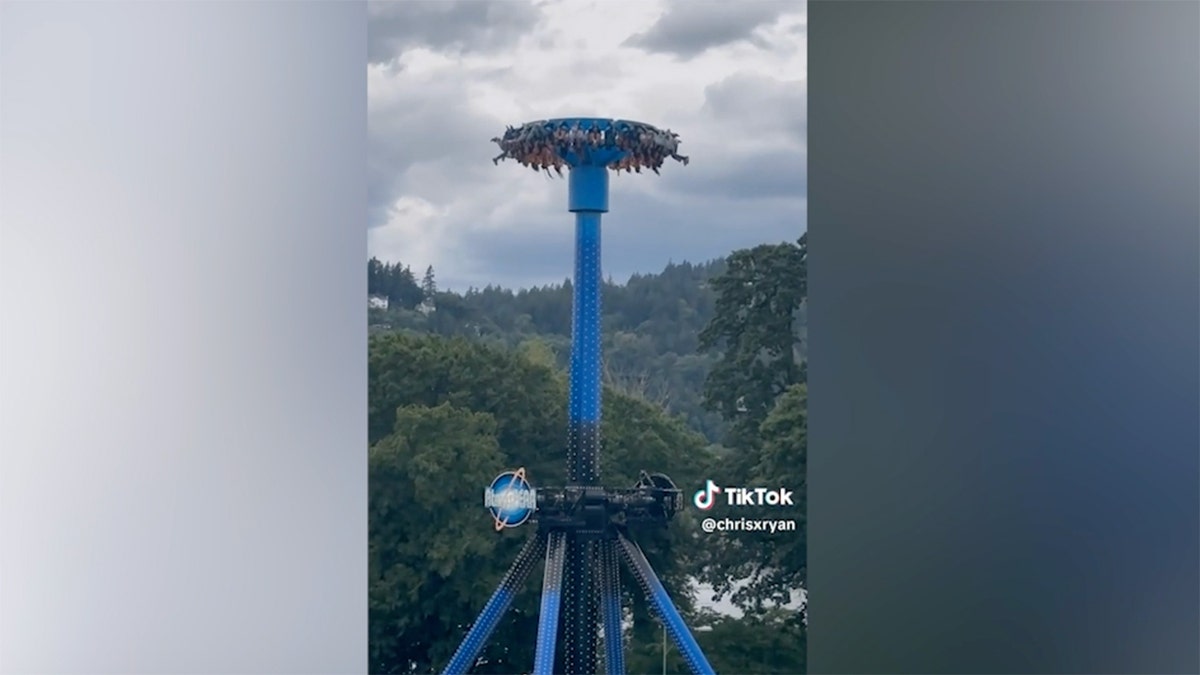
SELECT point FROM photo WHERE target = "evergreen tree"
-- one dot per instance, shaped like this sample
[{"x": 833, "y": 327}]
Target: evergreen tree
[
  {"x": 375, "y": 272},
  {"x": 428, "y": 286},
  {"x": 393, "y": 281}
]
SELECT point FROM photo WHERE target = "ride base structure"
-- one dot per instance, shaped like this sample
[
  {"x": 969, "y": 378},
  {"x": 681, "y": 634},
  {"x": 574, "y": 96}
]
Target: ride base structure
[{"x": 583, "y": 528}]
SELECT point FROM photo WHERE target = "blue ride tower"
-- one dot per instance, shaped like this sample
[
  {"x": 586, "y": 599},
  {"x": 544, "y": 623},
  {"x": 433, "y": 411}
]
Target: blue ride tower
[
  {"x": 588, "y": 200},
  {"x": 583, "y": 527}
]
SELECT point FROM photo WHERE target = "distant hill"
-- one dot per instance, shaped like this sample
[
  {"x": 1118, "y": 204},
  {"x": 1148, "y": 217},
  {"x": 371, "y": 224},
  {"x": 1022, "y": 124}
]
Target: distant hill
[{"x": 651, "y": 325}]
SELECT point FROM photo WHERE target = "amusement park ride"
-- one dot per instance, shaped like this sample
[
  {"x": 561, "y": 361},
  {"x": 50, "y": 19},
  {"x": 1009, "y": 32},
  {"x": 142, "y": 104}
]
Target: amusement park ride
[{"x": 583, "y": 528}]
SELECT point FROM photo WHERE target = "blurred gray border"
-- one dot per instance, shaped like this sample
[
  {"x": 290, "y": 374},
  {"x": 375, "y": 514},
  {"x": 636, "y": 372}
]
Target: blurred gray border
[
  {"x": 1003, "y": 337},
  {"x": 182, "y": 332}
]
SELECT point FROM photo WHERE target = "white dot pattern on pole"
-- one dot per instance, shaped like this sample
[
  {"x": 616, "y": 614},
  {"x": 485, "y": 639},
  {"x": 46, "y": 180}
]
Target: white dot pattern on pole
[
  {"x": 572, "y": 582},
  {"x": 551, "y": 603},
  {"x": 465, "y": 655},
  {"x": 583, "y": 444}
]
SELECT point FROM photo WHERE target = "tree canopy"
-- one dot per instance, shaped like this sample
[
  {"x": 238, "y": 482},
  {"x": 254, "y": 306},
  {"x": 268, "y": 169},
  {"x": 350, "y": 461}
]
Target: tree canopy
[
  {"x": 756, "y": 328},
  {"x": 651, "y": 325},
  {"x": 705, "y": 377},
  {"x": 448, "y": 415},
  {"x": 759, "y": 387}
]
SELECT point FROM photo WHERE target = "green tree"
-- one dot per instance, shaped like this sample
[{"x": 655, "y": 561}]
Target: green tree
[
  {"x": 404, "y": 290},
  {"x": 393, "y": 281},
  {"x": 759, "y": 299},
  {"x": 784, "y": 461},
  {"x": 758, "y": 386},
  {"x": 762, "y": 643},
  {"x": 428, "y": 285},
  {"x": 375, "y": 272},
  {"x": 507, "y": 360},
  {"x": 538, "y": 351},
  {"x": 526, "y": 399},
  {"x": 447, "y": 415},
  {"x": 427, "y": 554},
  {"x": 770, "y": 568},
  {"x": 663, "y": 314}
]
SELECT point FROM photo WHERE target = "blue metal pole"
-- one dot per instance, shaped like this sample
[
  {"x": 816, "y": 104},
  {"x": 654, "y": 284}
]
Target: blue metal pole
[
  {"x": 610, "y": 603},
  {"x": 588, "y": 199},
  {"x": 547, "y": 637},
  {"x": 666, "y": 609},
  {"x": 468, "y": 650}
]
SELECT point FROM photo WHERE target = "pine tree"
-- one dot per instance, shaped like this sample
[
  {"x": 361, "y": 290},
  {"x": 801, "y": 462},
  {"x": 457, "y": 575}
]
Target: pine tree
[
  {"x": 428, "y": 286},
  {"x": 374, "y": 277}
]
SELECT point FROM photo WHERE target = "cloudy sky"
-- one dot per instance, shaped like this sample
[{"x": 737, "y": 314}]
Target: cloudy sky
[{"x": 444, "y": 77}]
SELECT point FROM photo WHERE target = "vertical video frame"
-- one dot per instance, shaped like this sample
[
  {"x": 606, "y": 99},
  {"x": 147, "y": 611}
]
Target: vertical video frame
[{"x": 587, "y": 296}]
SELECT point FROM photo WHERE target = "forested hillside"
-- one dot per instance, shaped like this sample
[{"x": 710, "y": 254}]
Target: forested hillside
[
  {"x": 652, "y": 327},
  {"x": 463, "y": 386}
]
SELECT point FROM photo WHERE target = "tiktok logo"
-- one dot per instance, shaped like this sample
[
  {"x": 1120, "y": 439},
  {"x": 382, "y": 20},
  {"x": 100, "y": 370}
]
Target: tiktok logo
[
  {"x": 742, "y": 496},
  {"x": 705, "y": 498}
]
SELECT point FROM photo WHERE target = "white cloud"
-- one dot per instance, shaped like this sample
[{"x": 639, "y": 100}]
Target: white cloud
[{"x": 447, "y": 78}]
